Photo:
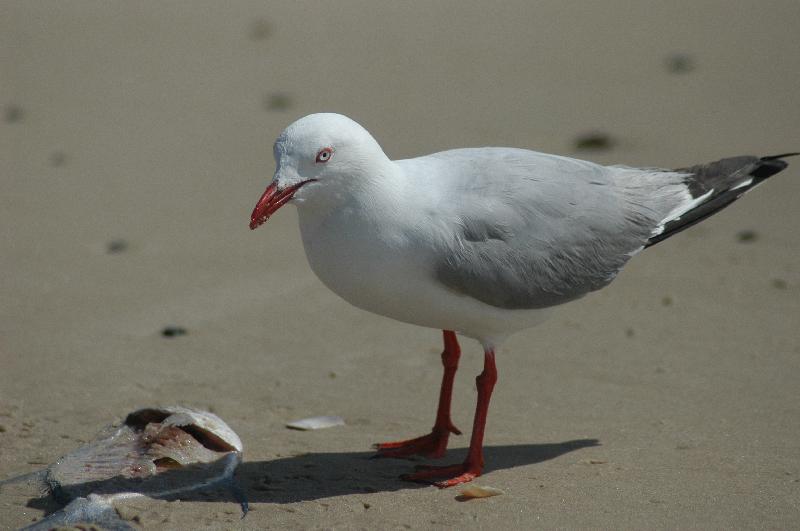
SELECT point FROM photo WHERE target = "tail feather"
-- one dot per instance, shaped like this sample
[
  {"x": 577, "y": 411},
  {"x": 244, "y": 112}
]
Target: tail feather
[{"x": 723, "y": 181}]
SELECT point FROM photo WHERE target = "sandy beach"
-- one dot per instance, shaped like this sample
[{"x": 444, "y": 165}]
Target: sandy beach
[{"x": 136, "y": 137}]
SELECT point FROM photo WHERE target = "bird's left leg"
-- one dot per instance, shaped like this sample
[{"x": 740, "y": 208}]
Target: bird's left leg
[
  {"x": 473, "y": 464},
  {"x": 435, "y": 443}
]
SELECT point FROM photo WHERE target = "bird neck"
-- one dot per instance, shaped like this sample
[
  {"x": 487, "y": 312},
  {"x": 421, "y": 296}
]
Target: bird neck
[{"x": 372, "y": 193}]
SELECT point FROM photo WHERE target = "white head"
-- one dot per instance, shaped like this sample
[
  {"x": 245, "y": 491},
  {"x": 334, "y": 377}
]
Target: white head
[{"x": 318, "y": 158}]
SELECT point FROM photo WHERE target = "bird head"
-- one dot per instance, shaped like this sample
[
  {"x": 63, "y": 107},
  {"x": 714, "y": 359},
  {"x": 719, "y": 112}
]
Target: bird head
[{"x": 319, "y": 159}]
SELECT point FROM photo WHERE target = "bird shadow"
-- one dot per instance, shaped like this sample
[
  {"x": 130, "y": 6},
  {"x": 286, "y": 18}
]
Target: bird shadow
[{"x": 314, "y": 476}]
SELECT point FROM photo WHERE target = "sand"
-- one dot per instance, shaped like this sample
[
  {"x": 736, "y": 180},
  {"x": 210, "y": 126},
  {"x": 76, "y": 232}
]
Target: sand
[{"x": 136, "y": 139}]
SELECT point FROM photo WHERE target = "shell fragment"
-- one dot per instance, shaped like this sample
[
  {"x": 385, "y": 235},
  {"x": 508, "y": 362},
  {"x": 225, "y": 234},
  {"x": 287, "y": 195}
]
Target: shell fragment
[
  {"x": 316, "y": 423},
  {"x": 476, "y": 491}
]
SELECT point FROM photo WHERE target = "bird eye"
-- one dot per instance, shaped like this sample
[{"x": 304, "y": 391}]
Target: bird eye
[{"x": 324, "y": 154}]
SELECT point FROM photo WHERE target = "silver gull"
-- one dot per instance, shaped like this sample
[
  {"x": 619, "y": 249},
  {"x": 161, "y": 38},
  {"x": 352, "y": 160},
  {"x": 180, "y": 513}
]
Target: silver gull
[{"x": 479, "y": 242}]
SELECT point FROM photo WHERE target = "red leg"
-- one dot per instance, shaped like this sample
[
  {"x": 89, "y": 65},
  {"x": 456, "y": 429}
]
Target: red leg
[
  {"x": 473, "y": 465},
  {"x": 435, "y": 443}
]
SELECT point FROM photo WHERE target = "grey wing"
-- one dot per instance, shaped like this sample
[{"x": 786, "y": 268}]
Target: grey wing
[{"x": 537, "y": 233}]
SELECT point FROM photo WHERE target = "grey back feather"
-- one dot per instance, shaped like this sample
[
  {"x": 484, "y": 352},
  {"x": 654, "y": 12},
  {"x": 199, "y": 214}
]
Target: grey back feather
[{"x": 525, "y": 230}]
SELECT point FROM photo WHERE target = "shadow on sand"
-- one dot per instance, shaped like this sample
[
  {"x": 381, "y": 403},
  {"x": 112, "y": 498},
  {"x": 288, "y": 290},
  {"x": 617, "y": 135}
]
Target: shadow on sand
[{"x": 323, "y": 475}]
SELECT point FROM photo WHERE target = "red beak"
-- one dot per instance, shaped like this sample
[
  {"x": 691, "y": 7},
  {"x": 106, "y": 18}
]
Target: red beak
[{"x": 271, "y": 200}]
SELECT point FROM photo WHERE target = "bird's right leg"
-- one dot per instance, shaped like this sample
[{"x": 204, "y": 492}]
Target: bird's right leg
[{"x": 435, "y": 443}]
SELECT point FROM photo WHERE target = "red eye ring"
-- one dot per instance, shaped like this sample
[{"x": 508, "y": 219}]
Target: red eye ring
[{"x": 324, "y": 155}]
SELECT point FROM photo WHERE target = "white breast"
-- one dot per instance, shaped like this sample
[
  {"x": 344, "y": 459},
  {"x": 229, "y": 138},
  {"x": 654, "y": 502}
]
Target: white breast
[{"x": 377, "y": 267}]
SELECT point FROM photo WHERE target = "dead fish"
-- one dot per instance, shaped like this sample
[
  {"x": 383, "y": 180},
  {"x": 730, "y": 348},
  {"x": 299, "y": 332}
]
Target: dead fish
[
  {"x": 155, "y": 452},
  {"x": 316, "y": 423}
]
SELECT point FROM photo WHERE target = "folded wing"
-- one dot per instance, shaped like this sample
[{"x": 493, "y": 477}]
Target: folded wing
[{"x": 525, "y": 230}]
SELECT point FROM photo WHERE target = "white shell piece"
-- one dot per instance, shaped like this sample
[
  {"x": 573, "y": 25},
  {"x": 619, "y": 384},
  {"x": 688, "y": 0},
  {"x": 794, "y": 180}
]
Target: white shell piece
[
  {"x": 316, "y": 423},
  {"x": 476, "y": 491}
]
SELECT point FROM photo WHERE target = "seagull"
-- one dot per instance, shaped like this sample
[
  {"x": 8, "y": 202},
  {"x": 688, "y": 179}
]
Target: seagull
[{"x": 479, "y": 242}]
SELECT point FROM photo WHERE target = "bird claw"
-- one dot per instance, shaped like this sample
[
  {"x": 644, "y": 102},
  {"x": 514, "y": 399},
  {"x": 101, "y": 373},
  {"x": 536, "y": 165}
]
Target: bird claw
[
  {"x": 432, "y": 445},
  {"x": 462, "y": 473}
]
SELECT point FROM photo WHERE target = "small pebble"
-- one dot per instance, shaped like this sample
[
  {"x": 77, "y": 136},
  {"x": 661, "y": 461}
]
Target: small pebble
[
  {"x": 666, "y": 301},
  {"x": 779, "y": 283},
  {"x": 679, "y": 63},
  {"x": 173, "y": 331},
  {"x": 629, "y": 332},
  {"x": 747, "y": 236},
  {"x": 116, "y": 246},
  {"x": 593, "y": 141},
  {"x": 58, "y": 158},
  {"x": 260, "y": 30},
  {"x": 13, "y": 114},
  {"x": 277, "y": 101}
]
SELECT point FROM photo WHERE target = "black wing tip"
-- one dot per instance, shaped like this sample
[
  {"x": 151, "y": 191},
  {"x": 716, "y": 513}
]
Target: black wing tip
[
  {"x": 771, "y": 165},
  {"x": 778, "y": 157},
  {"x": 765, "y": 167}
]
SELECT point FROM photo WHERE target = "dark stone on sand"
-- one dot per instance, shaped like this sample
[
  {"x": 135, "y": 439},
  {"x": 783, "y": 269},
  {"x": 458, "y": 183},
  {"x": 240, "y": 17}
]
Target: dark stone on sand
[
  {"x": 747, "y": 236},
  {"x": 13, "y": 114},
  {"x": 116, "y": 246},
  {"x": 679, "y": 63},
  {"x": 58, "y": 158},
  {"x": 173, "y": 331},
  {"x": 593, "y": 141},
  {"x": 779, "y": 283},
  {"x": 260, "y": 30},
  {"x": 277, "y": 101}
]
